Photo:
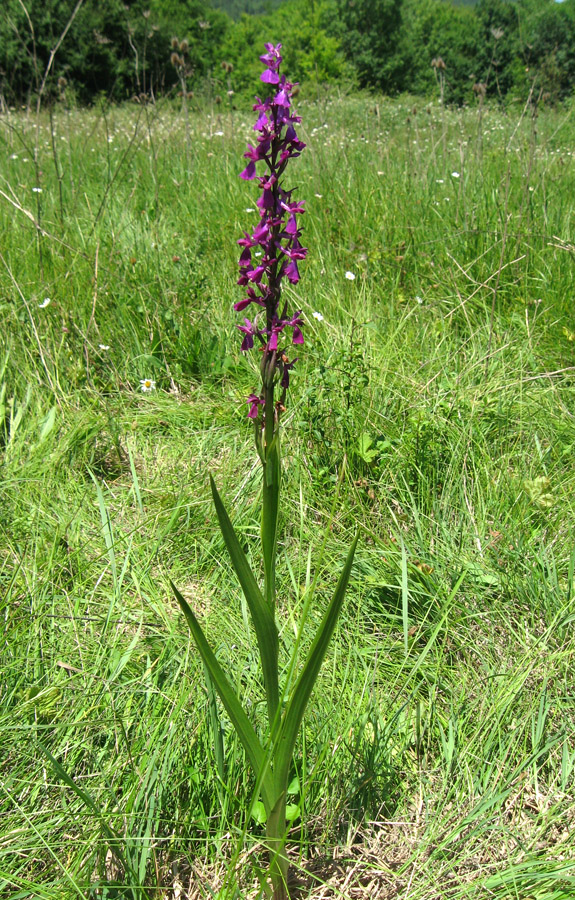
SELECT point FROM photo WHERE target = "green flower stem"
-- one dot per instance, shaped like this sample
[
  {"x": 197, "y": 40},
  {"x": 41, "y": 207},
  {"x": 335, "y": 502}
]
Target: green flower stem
[
  {"x": 271, "y": 492},
  {"x": 276, "y": 837},
  {"x": 276, "y": 819}
]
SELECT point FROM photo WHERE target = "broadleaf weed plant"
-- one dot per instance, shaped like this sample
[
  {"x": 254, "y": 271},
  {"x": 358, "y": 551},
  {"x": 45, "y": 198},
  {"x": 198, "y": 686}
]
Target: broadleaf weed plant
[{"x": 269, "y": 255}]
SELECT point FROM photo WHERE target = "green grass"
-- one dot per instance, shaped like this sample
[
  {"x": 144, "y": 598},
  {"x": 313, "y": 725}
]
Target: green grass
[{"x": 439, "y": 749}]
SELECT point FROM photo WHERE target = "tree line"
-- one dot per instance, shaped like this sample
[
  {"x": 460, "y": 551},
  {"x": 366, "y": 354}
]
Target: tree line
[{"x": 149, "y": 48}]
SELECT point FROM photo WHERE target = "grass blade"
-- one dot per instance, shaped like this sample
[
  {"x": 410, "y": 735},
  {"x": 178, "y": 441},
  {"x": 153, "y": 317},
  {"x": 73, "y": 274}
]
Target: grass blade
[
  {"x": 114, "y": 840},
  {"x": 404, "y": 598}
]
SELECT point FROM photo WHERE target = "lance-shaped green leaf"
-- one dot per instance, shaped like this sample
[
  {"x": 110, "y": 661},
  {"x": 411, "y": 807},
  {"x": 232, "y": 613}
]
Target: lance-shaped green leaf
[
  {"x": 232, "y": 705},
  {"x": 262, "y": 613},
  {"x": 285, "y": 743}
]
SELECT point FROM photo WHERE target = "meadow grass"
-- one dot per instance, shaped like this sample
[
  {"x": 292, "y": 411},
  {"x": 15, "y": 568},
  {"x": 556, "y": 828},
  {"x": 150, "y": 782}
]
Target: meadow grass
[{"x": 438, "y": 753}]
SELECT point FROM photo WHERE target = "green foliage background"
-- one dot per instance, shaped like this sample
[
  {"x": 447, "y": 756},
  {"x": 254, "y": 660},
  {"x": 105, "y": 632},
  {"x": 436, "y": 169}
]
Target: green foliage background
[{"x": 121, "y": 50}]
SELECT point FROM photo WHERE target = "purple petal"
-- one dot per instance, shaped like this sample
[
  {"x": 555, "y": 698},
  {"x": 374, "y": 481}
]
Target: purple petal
[
  {"x": 254, "y": 402},
  {"x": 255, "y": 275},
  {"x": 292, "y": 272},
  {"x": 282, "y": 98},
  {"x": 249, "y": 172},
  {"x": 262, "y": 122},
  {"x": 291, "y": 227},
  {"x": 270, "y": 77}
]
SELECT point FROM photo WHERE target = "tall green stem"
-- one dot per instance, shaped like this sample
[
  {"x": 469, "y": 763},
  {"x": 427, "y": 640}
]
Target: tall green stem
[
  {"x": 276, "y": 821},
  {"x": 276, "y": 835},
  {"x": 271, "y": 491}
]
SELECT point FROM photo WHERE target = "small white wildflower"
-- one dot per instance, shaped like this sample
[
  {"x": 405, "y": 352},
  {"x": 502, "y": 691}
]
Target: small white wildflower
[
  {"x": 350, "y": 276},
  {"x": 218, "y": 133},
  {"x": 104, "y": 346},
  {"x": 455, "y": 174},
  {"x": 37, "y": 190},
  {"x": 419, "y": 299},
  {"x": 381, "y": 173},
  {"x": 318, "y": 316},
  {"x": 45, "y": 302},
  {"x": 319, "y": 196},
  {"x": 231, "y": 93},
  {"x": 259, "y": 253},
  {"x": 439, "y": 180},
  {"x": 147, "y": 385},
  {"x": 14, "y": 156},
  {"x": 250, "y": 209}
]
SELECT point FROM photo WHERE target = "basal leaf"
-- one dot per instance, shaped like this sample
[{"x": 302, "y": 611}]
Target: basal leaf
[
  {"x": 262, "y": 613},
  {"x": 233, "y": 707},
  {"x": 293, "y": 716}
]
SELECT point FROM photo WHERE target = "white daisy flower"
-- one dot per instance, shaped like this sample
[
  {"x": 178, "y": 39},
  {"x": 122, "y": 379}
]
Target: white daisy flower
[
  {"x": 350, "y": 276},
  {"x": 455, "y": 174},
  {"x": 147, "y": 385},
  {"x": 45, "y": 302},
  {"x": 104, "y": 346},
  {"x": 37, "y": 190},
  {"x": 318, "y": 316}
]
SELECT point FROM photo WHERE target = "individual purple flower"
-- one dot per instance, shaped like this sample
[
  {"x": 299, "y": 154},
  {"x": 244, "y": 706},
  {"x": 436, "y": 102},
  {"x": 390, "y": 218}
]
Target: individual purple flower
[
  {"x": 296, "y": 322},
  {"x": 277, "y": 237},
  {"x": 291, "y": 272},
  {"x": 250, "y": 330},
  {"x": 252, "y": 297},
  {"x": 254, "y": 403},
  {"x": 287, "y": 366},
  {"x": 272, "y": 60}
]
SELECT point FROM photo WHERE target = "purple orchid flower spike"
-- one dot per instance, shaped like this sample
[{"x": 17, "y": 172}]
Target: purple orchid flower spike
[{"x": 275, "y": 241}]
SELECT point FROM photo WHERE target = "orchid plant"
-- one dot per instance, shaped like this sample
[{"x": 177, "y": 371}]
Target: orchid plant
[{"x": 274, "y": 329}]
